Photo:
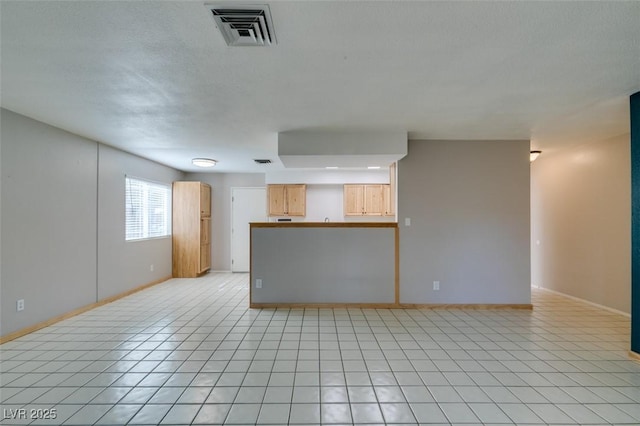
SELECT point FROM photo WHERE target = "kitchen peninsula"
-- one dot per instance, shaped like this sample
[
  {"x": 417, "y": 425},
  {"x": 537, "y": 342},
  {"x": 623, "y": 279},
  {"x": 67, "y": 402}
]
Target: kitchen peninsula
[{"x": 318, "y": 264}]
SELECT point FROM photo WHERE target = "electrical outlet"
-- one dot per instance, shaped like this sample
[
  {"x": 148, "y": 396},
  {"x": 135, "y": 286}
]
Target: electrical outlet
[
  {"x": 436, "y": 285},
  {"x": 151, "y": 267},
  {"x": 258, "y": 283},
  {"x": 20, "y": 305}
]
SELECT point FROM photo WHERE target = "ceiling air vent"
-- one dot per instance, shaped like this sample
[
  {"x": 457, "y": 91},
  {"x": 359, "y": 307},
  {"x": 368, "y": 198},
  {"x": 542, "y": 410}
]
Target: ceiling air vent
[
  {"x": 262, "y": 161},
  {"x": 244, "y": 25}
]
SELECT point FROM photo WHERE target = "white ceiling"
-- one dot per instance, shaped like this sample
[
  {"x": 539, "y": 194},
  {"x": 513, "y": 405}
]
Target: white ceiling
[{"x": 155, "y": 78}]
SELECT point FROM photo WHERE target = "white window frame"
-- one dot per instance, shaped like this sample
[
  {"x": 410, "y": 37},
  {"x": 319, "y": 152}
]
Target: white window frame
[{"x": 138, "y": 228}]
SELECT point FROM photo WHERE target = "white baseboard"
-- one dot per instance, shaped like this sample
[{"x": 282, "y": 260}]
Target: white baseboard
[{"x": 588, "y": 302}]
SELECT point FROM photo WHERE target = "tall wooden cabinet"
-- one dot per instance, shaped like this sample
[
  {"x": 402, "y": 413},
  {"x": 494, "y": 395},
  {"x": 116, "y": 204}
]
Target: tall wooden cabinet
[
  {"x": 287, "y": 200},
  {"x": 191, "y": 229}
]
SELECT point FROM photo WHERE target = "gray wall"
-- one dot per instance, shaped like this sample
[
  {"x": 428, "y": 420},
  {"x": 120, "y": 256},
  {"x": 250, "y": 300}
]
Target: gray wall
[
  {"x": 323, "y": 265},
  {"x": 62, "y": 222},
  {"x": 49, "y": 180},
  {"x": 123, "y": 265},
  {"x": 469, "y": 207},
  {"x": 221, "y": 184},
  {"x": 581, "y": 222}
]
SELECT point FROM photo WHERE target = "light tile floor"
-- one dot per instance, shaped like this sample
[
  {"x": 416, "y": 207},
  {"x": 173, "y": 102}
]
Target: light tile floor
[{"x": 191, "y": 352}]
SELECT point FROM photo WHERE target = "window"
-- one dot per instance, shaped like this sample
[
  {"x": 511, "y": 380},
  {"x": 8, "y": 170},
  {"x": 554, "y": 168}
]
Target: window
[{"x": 147, "y": 209}]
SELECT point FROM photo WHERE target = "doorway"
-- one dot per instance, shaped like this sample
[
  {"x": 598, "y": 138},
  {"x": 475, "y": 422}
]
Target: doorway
[{"x": 247, "y": 205}]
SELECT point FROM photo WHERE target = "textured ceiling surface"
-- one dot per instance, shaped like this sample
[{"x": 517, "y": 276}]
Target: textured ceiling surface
[{"x": 156, "y": 78}]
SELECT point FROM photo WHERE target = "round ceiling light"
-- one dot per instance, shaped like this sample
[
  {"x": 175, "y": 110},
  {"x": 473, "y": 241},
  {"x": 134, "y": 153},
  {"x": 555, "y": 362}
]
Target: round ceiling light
[{"x": 204, "y": 162}]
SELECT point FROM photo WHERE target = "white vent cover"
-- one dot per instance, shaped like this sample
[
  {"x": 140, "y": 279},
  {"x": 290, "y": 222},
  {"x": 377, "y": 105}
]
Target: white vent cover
[{"x": 244, "y": 25}]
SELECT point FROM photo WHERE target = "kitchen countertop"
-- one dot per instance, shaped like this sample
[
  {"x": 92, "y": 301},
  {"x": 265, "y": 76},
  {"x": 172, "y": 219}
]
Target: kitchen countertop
[{"x": 324, "y": 224}]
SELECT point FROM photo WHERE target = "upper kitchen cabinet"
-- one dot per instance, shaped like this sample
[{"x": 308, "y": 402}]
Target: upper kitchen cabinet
[
  {"x": 287, "y": 200},
  {"x": 367, "y": 200}
]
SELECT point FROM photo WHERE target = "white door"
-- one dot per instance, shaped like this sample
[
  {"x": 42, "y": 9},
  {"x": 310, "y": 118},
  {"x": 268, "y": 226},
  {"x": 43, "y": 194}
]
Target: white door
[{"x": 247, "y": 205}]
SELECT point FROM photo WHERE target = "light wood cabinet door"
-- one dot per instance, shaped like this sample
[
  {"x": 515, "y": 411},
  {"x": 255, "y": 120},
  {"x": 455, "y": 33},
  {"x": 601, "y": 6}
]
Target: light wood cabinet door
[
  {"x": 276, "y": 195},
  {"x": 287, "y": 200},
  {"x": 296, "y": 196},
  {"x": 373, "y": 200},
  {"x": 205, "y": 257},
  {"x": 205, "y": 200},
  {"x": 205, "y": 230},
  {"x": 353, "y": 200},
  {"x": 386, "y": 200},
  {"x": 391, "y": 191}
]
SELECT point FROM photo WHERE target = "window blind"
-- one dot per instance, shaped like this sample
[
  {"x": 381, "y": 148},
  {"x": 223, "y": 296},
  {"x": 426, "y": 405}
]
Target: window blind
[{"x": 147, "y": 209}]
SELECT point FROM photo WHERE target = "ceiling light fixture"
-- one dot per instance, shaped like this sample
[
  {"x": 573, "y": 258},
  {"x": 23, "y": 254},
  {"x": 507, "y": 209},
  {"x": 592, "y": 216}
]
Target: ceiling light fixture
[
  {"x": 533, "y": 155},
  {"x": 204, "y": 162},
  {"x": 331, "y": 167},
  {"x": 373, "y": 167}
]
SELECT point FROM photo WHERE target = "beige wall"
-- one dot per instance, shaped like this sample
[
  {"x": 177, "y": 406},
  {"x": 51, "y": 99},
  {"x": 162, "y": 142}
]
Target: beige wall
[
  {"x": 581, "y": 222},
  {"x": 468, "y": 202}
]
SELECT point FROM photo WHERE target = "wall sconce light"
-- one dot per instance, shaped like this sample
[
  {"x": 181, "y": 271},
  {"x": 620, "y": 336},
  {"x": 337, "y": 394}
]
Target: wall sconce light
[{"x": 533, "y": 155}]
